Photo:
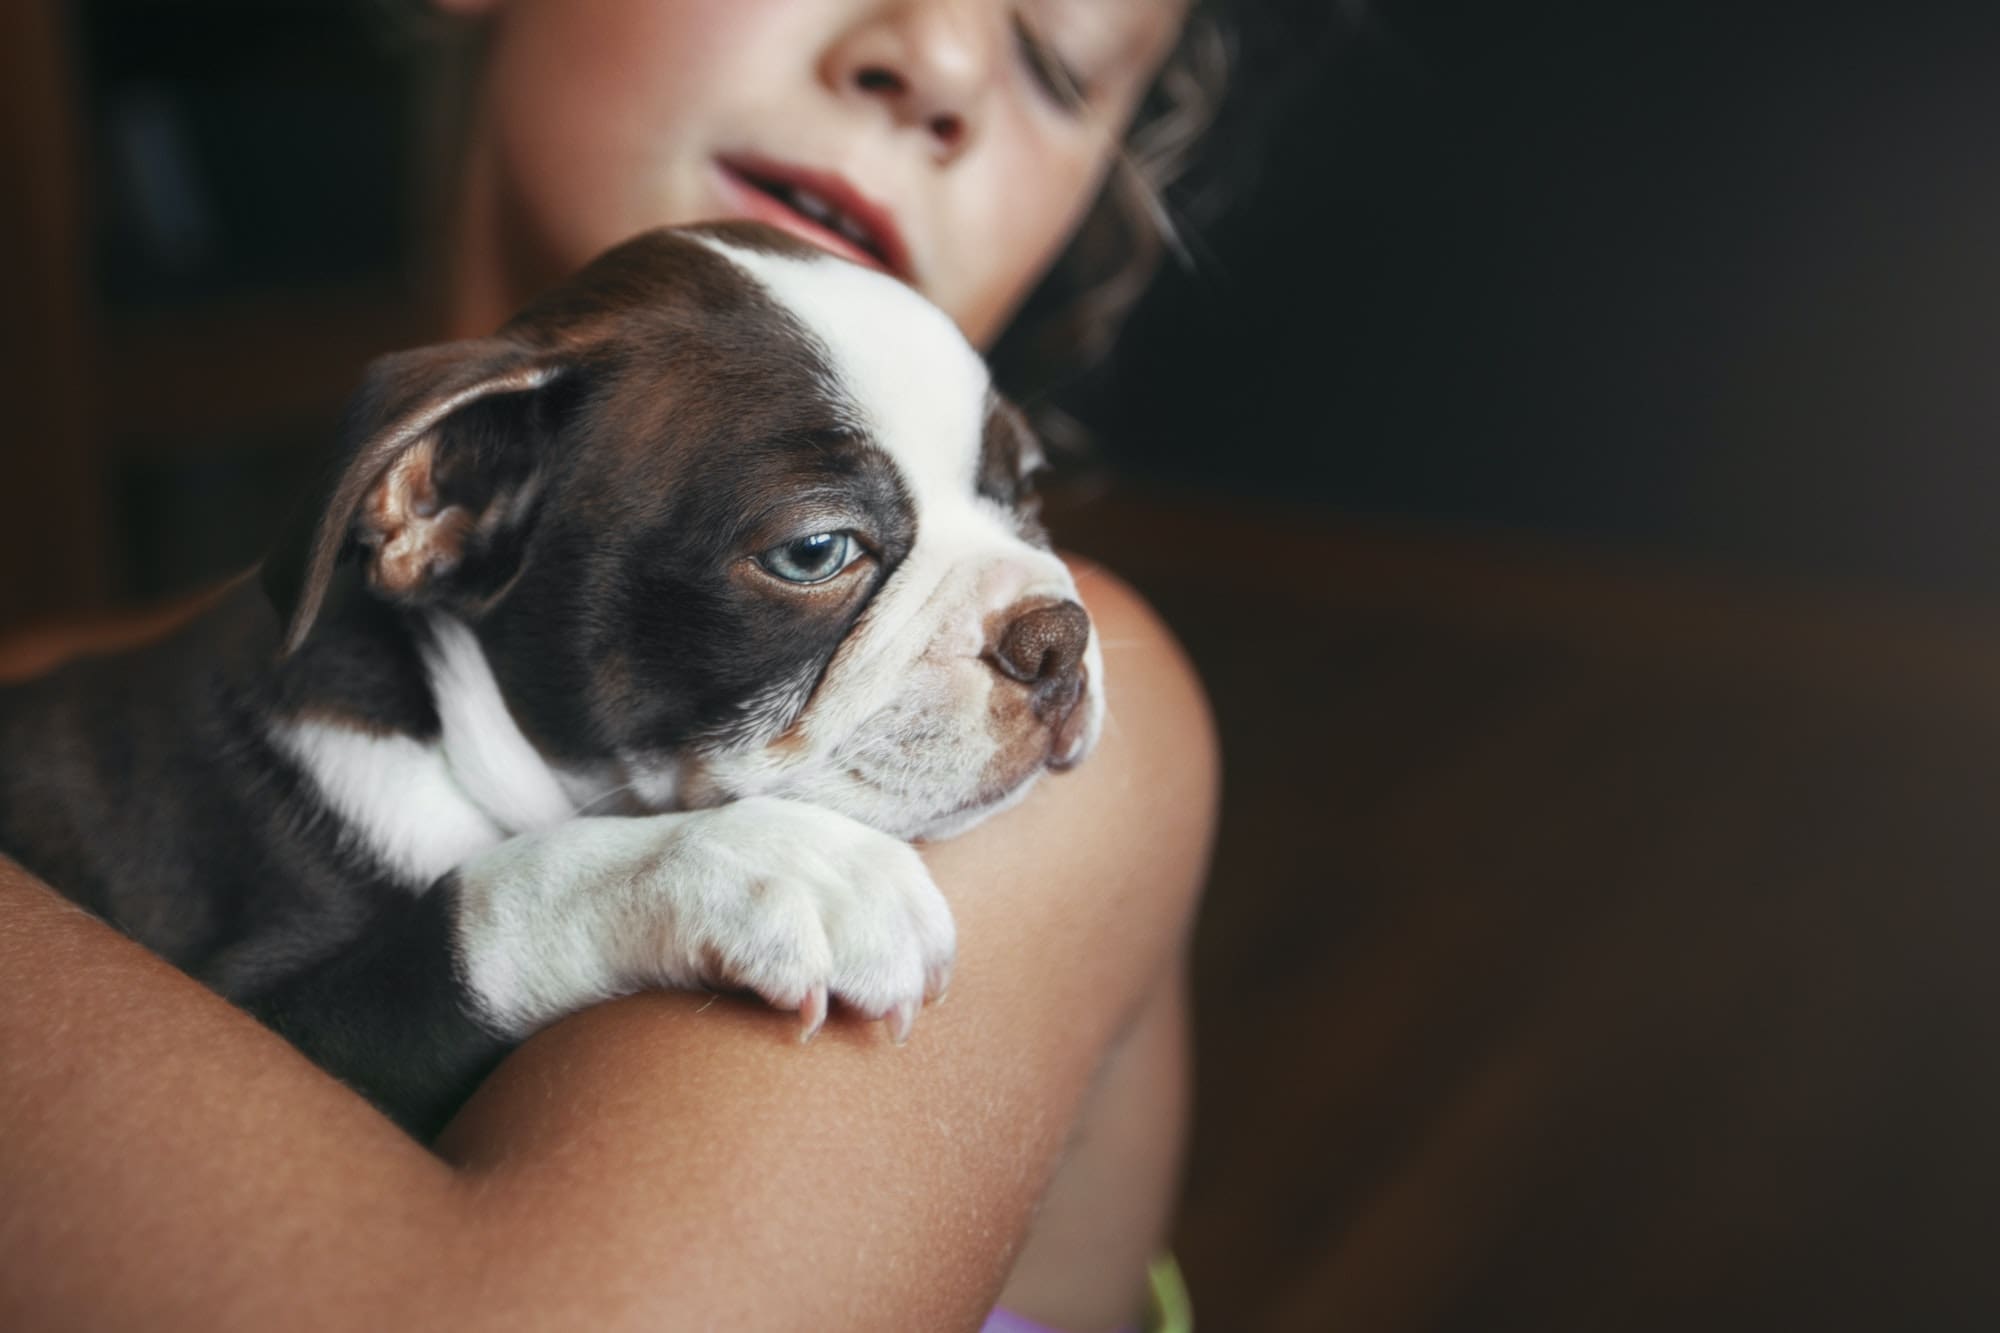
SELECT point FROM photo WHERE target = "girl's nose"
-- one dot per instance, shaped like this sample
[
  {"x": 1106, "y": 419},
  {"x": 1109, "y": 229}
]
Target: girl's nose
[{"x": 928, "y": 63}]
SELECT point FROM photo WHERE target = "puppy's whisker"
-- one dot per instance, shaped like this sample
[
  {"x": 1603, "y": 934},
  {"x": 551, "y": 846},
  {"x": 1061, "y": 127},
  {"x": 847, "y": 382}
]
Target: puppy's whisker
[{"x": 598, "y": 801}]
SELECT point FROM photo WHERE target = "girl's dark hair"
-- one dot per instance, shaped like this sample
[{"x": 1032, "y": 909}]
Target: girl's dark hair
[
  {"x": 1070, "y": 320},
  {"x": 1192, "y": 150}
]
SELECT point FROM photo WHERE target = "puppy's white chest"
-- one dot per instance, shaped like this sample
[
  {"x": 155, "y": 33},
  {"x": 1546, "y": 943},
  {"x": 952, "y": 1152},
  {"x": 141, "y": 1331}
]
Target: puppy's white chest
[
  {"x": 397, "y": 795},
  {"x": 423, "y": 807}
]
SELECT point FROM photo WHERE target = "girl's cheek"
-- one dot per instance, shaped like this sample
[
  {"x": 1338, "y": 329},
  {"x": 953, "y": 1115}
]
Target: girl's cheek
[{"x": 1037, "y": 199}]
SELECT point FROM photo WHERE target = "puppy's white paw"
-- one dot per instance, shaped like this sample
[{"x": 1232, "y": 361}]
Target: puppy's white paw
[
  {"x": 791, "y": 901},
  {"x": 801, "y": 905}
]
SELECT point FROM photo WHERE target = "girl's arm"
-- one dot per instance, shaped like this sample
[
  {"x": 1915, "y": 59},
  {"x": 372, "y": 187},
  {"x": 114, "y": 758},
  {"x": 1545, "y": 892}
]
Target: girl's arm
[{"x": 669, "y": 1160}]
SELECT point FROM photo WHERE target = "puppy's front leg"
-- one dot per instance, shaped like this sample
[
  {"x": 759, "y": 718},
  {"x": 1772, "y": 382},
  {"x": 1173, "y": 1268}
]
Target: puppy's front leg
[
  {"x": 387, "y": 1014},
  {"x": 788, "y": 900},
  {"x": 792, "y": 901}
]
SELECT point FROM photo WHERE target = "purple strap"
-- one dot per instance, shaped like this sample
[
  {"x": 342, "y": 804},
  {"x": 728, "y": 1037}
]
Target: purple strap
[{"x": 1006, "y": 1321}]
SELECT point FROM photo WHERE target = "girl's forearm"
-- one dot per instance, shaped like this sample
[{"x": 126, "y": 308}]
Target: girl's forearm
[{"x": 669, "y": 1159}]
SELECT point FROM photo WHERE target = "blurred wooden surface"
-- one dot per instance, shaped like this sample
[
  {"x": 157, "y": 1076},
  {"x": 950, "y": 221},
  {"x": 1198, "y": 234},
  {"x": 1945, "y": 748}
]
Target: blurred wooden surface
[
  {"x": 1588, "y": 948},
  {"x": 144, "y": 418},
  {"x": 55, "y": 533},
  {"x": 281, "y": 365}
]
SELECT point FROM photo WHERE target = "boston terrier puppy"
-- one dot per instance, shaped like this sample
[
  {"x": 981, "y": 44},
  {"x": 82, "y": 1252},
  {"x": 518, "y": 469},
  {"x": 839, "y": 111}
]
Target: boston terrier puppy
[{"x": 628, "y": 647}]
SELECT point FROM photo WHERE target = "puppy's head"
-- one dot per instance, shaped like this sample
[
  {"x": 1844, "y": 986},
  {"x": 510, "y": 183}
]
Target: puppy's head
[{"x": 727, "y": 517}]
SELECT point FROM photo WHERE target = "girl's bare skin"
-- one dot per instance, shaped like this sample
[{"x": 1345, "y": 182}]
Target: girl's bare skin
[
  {"x": 669, "y": 1160},
  {"x": 675, "y": 1160}
]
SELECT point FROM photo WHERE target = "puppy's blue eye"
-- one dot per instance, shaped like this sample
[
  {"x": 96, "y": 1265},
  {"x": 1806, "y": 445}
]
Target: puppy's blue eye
[{"x": 813, "y": 559}]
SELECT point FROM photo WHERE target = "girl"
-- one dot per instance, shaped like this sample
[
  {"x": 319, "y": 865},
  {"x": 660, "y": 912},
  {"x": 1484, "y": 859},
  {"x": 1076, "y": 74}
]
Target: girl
[{"x": 670, "y": 1160}]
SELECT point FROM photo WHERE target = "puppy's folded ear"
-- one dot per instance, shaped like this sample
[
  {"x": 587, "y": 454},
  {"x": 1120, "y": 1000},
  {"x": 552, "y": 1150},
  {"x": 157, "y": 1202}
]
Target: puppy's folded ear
[{"x": 441, "y": 466}]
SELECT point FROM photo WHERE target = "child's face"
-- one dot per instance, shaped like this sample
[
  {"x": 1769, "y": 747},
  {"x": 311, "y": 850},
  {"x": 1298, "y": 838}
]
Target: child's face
[{"x": 950, "y": 122}]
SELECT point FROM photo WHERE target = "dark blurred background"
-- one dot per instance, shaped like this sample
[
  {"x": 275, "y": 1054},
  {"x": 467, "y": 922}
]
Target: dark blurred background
[
  {"x": 1570, "y": 469},
  {"x": 1715, "y": 280},
  {"x": 1700, "y": 279}
]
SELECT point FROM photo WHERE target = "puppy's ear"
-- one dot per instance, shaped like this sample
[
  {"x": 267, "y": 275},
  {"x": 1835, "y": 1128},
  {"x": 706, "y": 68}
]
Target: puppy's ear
[{"x": 441, "y": 464}]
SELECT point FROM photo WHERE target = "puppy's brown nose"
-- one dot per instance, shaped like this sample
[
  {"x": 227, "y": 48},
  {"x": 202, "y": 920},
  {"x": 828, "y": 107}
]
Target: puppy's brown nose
[{"x": 1043, "y": 649}]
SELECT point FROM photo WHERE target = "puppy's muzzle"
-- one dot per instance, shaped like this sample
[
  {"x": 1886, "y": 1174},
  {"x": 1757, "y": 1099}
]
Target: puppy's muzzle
[{"x": 1043, "y": 649}]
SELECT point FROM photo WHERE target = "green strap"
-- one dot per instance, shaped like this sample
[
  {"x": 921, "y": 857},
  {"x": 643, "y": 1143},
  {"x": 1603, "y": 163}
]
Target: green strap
[{"x": 1173, "y": 1312}]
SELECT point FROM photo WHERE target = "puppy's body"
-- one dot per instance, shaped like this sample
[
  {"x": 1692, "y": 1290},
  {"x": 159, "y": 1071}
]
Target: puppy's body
[
  {"x": 148, "y": 788},
  {"x": 627, "y": 649}
]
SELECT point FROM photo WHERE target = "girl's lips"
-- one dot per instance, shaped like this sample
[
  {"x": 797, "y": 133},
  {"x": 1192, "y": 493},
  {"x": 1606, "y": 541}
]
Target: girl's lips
[{"x": 746, "y": 182}]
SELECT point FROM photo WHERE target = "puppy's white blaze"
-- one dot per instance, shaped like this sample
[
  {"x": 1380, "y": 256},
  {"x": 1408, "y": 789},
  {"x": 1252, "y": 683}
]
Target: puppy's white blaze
[
  {"x": 496, "y": 765},
  {"x": 900, "y": 361},
  {"x": 397, "y": 796}
]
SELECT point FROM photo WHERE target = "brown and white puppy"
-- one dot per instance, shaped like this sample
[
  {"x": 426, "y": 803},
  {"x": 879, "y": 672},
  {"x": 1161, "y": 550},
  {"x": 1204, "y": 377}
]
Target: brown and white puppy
[{"x": 627, "y": 648}]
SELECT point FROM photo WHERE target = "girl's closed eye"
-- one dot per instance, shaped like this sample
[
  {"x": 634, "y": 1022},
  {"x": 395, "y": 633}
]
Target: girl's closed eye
[
  {"x": 1084, "y": 59},
  {"x": 1056, "y": 78}
]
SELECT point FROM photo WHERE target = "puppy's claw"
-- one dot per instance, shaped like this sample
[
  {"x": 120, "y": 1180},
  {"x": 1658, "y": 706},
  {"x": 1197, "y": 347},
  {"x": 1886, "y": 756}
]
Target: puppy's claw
[
  {"x": 938, "y": 983},
  {"x": 812, "y": 1011},
  {"x": 901, "y": 1019}
]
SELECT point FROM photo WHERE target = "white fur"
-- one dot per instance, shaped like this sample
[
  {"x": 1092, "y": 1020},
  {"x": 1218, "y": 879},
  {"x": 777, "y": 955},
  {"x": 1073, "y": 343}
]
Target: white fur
[
  {"x": 791, "y": 901},
  {"x": 496, "y": 765},
  {"x": 397, "y": 796},
  {"x": 421, "y": 808},
  {"x": 899, "y": 360},
  {"x": 898, "y": 734}
]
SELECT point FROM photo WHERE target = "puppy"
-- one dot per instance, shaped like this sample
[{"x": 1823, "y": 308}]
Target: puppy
[{"x": 625, "y": 648}]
